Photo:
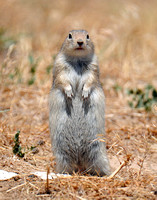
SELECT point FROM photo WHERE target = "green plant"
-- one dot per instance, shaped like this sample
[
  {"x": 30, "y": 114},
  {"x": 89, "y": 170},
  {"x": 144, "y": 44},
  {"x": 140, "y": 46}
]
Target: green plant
[
  {"x": 17, "y": 149},
  {"x": 117, "y": 87},
  {"x": 143, "y": 98},
  {"x": 5, "y": 41},
  {"x": 16, "y": 74},
  {"x": 49, "y": 68},
  {"x": 33, "y": 65}
]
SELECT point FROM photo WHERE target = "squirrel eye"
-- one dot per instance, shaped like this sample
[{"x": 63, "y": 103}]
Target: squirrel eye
[
  {"x": 70, "y": 36},
  {"x": 87, "y": 36}
]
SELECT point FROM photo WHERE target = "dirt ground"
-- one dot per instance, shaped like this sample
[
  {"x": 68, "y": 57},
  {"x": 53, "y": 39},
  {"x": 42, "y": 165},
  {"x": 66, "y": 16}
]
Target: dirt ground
[{"x": 124, "y": 33}]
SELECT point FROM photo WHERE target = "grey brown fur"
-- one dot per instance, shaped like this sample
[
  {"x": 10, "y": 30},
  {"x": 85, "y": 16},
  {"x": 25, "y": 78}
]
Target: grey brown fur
[{"x": 76, "y": 103}]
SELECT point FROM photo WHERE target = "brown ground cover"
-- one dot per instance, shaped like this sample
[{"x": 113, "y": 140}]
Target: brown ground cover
[{"x": 125, "y": 37}]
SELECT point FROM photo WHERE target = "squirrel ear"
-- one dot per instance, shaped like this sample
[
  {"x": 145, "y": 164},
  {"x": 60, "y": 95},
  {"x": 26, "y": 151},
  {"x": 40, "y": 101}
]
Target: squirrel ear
[{"x": 70, "y": 36}]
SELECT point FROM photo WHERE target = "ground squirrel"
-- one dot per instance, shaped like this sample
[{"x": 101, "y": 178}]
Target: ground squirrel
[{"x": 77, "y": 105}]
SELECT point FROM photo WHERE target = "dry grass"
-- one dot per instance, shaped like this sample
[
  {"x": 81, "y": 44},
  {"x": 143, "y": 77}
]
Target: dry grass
[{"x": 124, "y": 33}]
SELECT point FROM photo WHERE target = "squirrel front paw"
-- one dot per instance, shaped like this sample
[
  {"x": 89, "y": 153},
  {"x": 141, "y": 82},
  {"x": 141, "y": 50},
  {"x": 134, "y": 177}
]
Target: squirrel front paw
[
  {"x": 68, "y": 91},
  {"x": 85, "y": 93}
]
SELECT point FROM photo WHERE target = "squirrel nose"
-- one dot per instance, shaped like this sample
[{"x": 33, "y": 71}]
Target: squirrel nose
[{"x": 80, "y": 42}]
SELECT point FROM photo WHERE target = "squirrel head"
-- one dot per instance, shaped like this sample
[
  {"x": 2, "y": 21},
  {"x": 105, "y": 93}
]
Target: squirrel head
[{"x": 78, "y": 44}]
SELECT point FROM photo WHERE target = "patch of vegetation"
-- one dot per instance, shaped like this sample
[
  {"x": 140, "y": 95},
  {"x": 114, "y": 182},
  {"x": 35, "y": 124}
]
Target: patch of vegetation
[
  {"x": 16, "y": 74},
  {"x": 5, "y": 41},
  {"x": 143, "y": 98},
  {"x": 33, "y": 66},
  {"x": 117, "y": 87},
  {"x": 49, "y": 67},
  {"x": 17, "y": 149}
]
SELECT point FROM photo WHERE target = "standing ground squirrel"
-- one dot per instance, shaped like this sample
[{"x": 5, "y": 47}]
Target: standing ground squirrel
[{"x": 77, "y": 104}]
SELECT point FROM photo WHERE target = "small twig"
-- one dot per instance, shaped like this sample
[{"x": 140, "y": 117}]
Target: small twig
[
  {"x": 74, "y": 195},
  {"x": 154, "y": 138},
  {"x": 116, "y": 156},
  {"x": 142, "y": 162},
  {"x": 33, "y": 185},
  {"x": 117, "y": 170},
  {"x": 5, "y": 110},
  {"x": 47, "y": 190},
  {"x": 112, "y": 146},
  {"x": 42, "y": 195},
  {"x": 14, "y": 188}
]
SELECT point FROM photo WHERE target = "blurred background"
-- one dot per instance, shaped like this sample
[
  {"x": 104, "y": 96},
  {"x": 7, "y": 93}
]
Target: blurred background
[
  {"x": 124, "y": 34},
  {"x": 125, "y": 38}
]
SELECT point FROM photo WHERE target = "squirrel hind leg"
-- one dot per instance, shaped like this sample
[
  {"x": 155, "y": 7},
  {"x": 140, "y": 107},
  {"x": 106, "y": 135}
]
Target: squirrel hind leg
[
  {"x": 100, "y": 167},
  {"x": 97, "y": 171},
  {"x": 64, "y": 167}
]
